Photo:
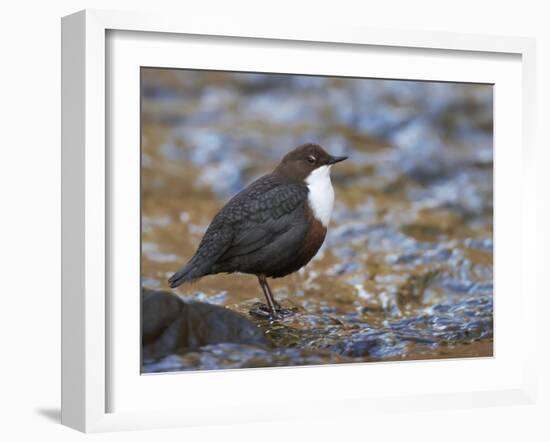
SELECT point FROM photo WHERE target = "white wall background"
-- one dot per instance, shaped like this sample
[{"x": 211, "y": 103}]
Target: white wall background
[{"x": 30, "y": 214}]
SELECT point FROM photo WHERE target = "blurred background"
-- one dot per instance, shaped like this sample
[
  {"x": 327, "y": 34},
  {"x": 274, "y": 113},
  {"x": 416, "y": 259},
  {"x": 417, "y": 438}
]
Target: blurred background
[{"x": 406, "y": 271}]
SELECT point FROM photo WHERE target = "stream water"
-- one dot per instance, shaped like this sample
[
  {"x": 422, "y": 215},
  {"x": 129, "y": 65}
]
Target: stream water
[{"x": 406, "y": 270}]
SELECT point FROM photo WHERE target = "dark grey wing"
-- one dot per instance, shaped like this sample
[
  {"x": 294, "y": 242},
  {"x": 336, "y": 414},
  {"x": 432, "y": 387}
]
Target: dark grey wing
[
  {"x": 261, "y": 217},
  {"x": 250, "y": 220}
]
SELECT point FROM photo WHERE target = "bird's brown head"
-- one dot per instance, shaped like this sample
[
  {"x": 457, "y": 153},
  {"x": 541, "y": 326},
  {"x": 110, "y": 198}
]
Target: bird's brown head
[{"x": 298, "y": 164}]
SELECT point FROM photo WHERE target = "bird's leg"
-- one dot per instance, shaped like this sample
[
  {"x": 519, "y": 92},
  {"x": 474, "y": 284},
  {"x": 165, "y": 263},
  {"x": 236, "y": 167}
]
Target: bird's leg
[
  {"x": 268, "y": 295},
  {"x": 275, "y": 303}
]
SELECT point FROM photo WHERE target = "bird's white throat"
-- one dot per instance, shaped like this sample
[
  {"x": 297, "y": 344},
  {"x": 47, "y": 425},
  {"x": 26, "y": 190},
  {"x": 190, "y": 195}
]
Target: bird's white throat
[{"x": 321, "y": 194}]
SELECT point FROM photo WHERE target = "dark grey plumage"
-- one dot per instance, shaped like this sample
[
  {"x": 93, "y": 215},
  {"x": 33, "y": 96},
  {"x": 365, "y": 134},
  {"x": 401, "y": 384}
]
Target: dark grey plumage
[{"x": 257, "y": 232}]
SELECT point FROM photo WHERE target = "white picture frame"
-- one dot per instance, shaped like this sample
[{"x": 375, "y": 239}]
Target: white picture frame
[{"x": 87, "y": 319}]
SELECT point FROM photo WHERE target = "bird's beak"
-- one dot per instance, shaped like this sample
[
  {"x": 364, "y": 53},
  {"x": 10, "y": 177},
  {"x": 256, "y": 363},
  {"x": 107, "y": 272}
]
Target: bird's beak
[{"x": 334, "y": 160}]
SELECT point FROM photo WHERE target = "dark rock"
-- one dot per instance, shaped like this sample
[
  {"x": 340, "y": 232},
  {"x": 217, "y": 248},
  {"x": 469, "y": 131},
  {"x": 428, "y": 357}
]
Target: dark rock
[{"x": 171, "y": 325}]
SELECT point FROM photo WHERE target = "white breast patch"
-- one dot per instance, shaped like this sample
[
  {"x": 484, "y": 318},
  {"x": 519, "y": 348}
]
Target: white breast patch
[{"x": 321, "y": 194}]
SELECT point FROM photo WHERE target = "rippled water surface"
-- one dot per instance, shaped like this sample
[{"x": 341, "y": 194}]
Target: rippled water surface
[{"x": 406, "y": 271}]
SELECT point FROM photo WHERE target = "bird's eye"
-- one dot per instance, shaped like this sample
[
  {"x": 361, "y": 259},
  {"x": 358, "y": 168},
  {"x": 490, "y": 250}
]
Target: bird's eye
[{"x": 311, "y": 159}]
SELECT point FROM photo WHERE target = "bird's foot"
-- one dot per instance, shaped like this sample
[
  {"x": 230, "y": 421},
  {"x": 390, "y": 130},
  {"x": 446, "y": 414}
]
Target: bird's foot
[{"x": 262, "y": 311}]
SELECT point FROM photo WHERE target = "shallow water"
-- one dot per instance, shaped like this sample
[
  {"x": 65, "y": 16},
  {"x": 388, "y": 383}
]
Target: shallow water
[{"x": 406, "y": 271}]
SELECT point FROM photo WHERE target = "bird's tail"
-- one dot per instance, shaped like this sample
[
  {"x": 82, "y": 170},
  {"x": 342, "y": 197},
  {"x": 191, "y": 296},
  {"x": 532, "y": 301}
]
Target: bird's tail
[
  {"x": 185, "y": 274},
  {"x": 210, "y": 249},
  {"x": 196, "y": 268}
]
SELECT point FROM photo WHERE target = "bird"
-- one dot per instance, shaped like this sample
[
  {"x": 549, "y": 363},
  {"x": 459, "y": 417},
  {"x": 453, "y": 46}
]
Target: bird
[{"x": 271, "y": 228}]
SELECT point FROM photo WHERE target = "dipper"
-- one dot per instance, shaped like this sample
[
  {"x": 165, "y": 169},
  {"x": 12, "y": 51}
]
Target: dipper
[{"x": 273, "y": 227}]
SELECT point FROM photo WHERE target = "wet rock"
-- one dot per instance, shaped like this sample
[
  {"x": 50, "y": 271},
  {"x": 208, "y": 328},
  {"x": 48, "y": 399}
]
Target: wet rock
[
  {"x": 170, "y": 325},
  {"x": 262, "y": 311}
]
